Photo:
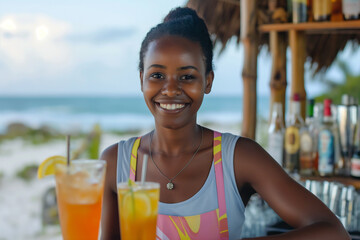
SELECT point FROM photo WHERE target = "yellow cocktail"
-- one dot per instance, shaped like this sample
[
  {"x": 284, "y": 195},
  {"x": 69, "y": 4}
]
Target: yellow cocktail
[
  {"x": 138, "y": 209},
  {"x": 79, "y": 192}
]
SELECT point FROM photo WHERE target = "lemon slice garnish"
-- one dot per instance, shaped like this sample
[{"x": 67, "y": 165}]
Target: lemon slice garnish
[
  {"x": 47, "y": 167},
  {"x": 138, "y": 204}
]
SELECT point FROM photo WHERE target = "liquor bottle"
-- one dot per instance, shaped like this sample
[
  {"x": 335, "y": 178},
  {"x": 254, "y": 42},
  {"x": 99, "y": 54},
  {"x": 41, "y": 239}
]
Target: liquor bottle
[
  {"x": 292, "y": 136},
  {"x": 276, "y": 134},
  {"x": 346, "y": 122},
  {"x": 299, "y": 11},
  {"x": 308, "y": 143},
  {"x": 355, "y": 160},
  {"x": 336, "y": 11},
  {"x": 310, "y": 11},
  {"x": 326, "y": 140},
  {"x": 351, "y": 9},
  {"x": 318, "y": 118},
  {"x": 322, "y": 10},
  {"x": 289, "y": 10}
]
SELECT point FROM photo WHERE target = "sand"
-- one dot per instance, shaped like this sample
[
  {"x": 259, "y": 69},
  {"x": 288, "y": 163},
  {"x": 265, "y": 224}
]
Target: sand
[{"x": 20, "y": 200}]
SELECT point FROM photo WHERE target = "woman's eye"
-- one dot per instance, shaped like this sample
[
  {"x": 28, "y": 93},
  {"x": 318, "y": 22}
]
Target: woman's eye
[
  {"x": 157, "y": 75},
  {"x": 187, "y": 77}
]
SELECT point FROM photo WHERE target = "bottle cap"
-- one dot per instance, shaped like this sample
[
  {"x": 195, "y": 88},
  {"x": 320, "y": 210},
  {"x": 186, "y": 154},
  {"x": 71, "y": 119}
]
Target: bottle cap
[
  {"x": 327, "y": 107},
  {"x": 345, "y": 99},
  {"x": 353, "y": 101},
  {"x": 318, "y": 110},
  {"x": 310, "y": 108},
  {"x": 296, "y": 97}
]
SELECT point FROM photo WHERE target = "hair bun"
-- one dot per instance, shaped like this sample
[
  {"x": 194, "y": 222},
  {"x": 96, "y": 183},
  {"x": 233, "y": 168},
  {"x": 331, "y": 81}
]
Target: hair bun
[
  {"x": 182, "y": 22},
  {"x": 181, "y": 13}
]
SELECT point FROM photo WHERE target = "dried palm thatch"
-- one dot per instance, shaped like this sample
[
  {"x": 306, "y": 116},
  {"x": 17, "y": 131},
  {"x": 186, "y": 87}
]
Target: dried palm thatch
[
  {"x": 223, "y": 20},
  {"x": 322, "y": 49},
  {"x": 221, "y": 17}
]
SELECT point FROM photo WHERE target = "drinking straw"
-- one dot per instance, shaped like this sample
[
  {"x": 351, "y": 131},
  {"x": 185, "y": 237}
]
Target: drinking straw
[
  {"x": 144, "y": 167},
  {"x": 68, "y": 149}
]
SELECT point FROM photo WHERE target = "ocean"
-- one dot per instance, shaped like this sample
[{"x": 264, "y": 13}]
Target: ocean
[{"x": 112, "y": 113}]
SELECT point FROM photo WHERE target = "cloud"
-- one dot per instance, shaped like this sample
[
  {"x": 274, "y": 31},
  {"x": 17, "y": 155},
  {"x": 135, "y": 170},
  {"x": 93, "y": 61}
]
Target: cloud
[
  {"x": 9, "y": 35},
  {"x": 102, "y": 36},
  {"x": 28, "y": 46},
  {"x": 45, "y": 54}
]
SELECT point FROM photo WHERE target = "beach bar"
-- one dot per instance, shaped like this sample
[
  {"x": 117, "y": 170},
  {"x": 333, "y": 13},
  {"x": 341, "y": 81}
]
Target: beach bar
[{"x": 285, "y": 28}]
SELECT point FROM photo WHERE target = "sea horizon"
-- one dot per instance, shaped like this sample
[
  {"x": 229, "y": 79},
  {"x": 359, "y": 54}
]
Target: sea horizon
[{"x": 120, "y": 113}]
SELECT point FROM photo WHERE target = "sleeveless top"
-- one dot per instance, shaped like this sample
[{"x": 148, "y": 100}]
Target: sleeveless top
[{"x": 215, "y": 212}]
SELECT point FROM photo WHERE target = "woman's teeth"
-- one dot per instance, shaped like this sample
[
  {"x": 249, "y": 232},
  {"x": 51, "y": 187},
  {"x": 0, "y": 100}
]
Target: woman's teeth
[{"x": 171, "y": 106}]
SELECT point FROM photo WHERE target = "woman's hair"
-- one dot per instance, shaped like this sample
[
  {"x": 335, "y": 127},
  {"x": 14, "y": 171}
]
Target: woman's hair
[{"x": 183, "y": 22}]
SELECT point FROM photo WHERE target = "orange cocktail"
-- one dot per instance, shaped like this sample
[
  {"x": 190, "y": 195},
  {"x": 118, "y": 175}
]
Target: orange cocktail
[
  {"x": 138, "y": 209},
  {"x": 79, "y": 192}
]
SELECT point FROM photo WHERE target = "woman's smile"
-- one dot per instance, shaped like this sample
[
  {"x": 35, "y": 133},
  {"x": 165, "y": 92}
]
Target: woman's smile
[{"x": 172, "y": 106}]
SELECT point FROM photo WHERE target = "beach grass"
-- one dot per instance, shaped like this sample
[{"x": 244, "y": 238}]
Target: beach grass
[{"x": 28, "y": 172}]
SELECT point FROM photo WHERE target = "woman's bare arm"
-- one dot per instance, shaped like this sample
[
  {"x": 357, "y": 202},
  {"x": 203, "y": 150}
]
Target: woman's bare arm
[
  {"x": 291, "y": 201},
  {"x": 110, "y": 217}
]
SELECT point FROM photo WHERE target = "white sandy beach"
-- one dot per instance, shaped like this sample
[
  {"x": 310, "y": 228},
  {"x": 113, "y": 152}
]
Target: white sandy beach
[{"x": 20, "y": 201}]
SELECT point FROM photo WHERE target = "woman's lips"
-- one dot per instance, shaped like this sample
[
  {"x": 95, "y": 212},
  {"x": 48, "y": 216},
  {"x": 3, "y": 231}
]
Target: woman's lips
[{"x": 172, "y": 106}]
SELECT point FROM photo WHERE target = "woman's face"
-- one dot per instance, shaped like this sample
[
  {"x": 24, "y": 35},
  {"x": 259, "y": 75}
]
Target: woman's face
[{"x": 174, "y": 80}]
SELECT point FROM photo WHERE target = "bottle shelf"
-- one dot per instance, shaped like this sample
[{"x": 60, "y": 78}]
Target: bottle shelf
[
  {"x": 314, "y": 27},
  {"x": 282, "y": 227},
  {"x": 344, "y": 180}
]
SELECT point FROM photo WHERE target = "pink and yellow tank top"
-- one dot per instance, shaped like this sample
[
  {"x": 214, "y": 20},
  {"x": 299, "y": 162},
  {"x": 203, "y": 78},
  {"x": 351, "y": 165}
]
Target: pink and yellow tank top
[{"x": 208, "y": 225}]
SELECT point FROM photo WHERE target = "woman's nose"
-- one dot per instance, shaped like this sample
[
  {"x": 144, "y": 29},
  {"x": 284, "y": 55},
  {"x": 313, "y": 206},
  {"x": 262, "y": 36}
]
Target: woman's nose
[{"x": 171, "y": 88}]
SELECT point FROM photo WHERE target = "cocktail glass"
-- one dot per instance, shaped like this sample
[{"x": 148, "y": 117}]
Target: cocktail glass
[
  {"x": 138, "y": 210},
  {"x": 79, "y": 192}
]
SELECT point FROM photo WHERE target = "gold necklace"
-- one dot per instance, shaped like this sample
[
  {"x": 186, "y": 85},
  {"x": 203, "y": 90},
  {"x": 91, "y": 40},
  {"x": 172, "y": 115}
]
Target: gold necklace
[{"x": 170, "y": 184}]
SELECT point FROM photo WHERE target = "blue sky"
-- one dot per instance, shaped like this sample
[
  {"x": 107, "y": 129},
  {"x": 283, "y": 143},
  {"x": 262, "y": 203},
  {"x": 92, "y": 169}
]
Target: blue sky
[{"x": 50, "y": 47}]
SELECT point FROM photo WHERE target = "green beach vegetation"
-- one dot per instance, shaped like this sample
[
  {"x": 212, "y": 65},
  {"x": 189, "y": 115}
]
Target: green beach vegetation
[
  {"x": 30, "y": 135},
  {"x": 28, "y": 172},
  {"x": 350, "y": 85}
]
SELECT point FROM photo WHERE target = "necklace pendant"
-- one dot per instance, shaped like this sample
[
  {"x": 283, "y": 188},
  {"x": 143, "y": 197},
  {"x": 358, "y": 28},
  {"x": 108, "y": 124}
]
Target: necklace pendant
[{"x": 170, "y": 186}]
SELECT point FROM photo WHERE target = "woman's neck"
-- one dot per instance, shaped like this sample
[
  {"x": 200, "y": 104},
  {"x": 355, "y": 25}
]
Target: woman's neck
[{"x": 173, "y": 142}]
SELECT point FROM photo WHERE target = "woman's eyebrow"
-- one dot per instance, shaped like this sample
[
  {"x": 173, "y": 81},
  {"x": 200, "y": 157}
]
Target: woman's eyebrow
[
  {"x": 188, "y": 67},
  {"x": 156, "y": 66}
]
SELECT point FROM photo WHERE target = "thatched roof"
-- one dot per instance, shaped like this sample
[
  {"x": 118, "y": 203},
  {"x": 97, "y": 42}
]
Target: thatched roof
[{"x": 223, "y": 20}]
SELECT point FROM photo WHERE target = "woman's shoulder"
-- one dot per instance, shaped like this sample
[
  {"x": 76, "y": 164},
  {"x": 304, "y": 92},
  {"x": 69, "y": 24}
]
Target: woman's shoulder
[
  {"x": 247, "y": 143},
  {"x": 250, "y": 152},
  {"x": 242, "y": 149},
  {"x": 240, "y": 143},
  {"x": 110, "y": 153},
  {"x": 243, "y": 145},
  {"x": 252, "y": 162}
]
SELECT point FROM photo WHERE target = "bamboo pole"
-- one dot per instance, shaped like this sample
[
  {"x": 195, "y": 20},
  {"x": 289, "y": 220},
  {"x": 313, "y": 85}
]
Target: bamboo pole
[
  {"x": 298, "y": 56},
  {"x": 278, "y": 81},
  {"x": 249, "y": 38}
]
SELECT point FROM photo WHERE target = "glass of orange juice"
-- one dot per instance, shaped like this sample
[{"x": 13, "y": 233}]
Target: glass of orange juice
[
  {"x": 79, "y": 192},
  {"x": 138, "y": 209}
]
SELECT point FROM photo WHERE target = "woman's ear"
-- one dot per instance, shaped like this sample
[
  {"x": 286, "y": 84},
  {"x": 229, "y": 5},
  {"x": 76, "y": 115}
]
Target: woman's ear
[
  {"x": 209, "y": 82},
  {"x": 141, "y": 80}
]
